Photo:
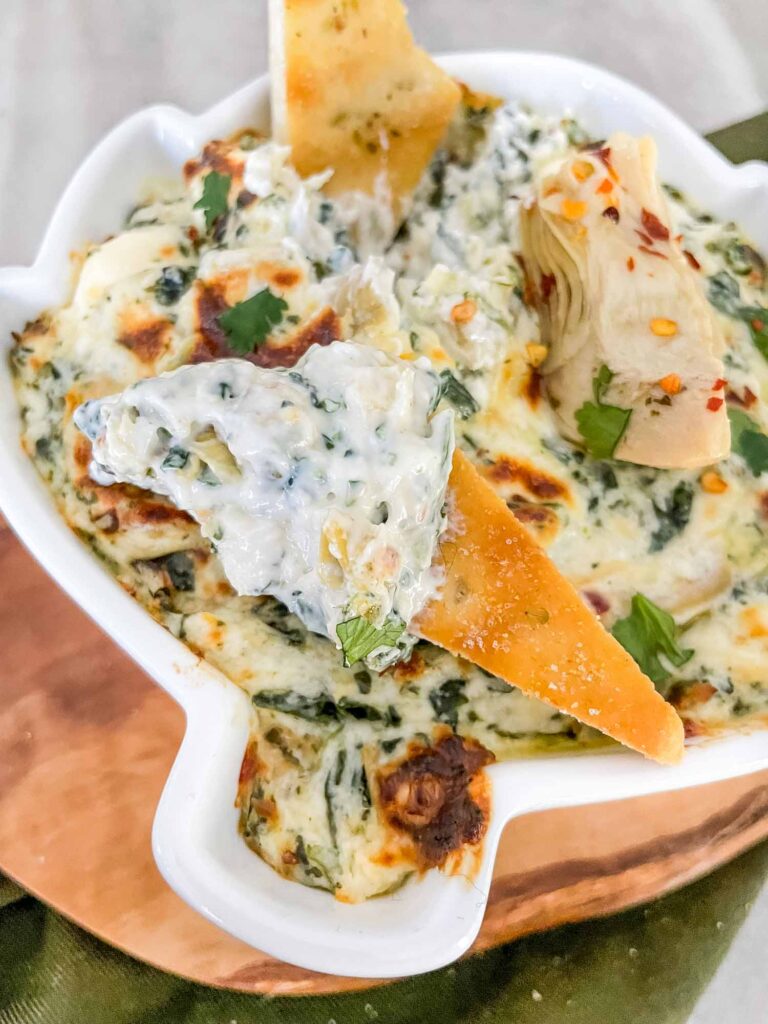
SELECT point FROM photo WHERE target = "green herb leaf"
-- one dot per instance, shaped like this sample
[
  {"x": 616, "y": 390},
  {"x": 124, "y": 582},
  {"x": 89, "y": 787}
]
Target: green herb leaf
[
  {"x": 453, "y": 391},
  {"x": 647, "y": 632},
  {"x": 748, "y": 440},
  {"x": 214, "y": 200},
  {"x": 601, "y": 383},
  {"x": 602, "y": 426},
  {"x": 248, "y": 324},
  {"x": 359, "y": 637}
]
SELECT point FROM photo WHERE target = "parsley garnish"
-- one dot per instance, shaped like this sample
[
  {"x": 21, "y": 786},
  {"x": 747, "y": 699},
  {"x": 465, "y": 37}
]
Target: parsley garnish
[
  {"x": 602, "y": 426},
  {"x": 460, "y": 398},
  {"x": 748, "y": 441},
  {"x": 248, "y": 324},
  {"x": 647, "y": 632},
  {"x": 214, "y": 200},
  {"x": 359, "y": 637}
]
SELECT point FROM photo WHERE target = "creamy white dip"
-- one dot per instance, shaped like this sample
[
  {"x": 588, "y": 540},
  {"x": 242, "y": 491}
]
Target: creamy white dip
[{"x": 322, "y": 485}]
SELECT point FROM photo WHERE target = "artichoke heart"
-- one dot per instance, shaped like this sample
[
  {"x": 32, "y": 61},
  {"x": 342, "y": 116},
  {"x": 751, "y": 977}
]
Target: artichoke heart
[{"x": 633, "y": 369}]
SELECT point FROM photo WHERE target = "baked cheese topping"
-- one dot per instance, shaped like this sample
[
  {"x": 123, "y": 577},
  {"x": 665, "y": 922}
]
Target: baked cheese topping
[
  {"x": 322, "y": 485},
  {"x": 356, "y": 778}
]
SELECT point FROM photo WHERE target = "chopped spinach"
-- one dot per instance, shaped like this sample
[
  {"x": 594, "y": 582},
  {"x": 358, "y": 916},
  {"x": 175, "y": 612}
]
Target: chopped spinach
[
  {"x": 724, "y": 293},
  {"x": 177, "y": 458},
  {"x": 446, "y": 700},
  {"x": 453, "y": 391},
  {"x": 319, "y": 708},
  {"x": 363, "y": 680},
  {"x": 172, "y": 284},
  {"x": 276, "y": 738},
  {"x": 181, "y": 570},
  {"x": 748, "y": 440},
  {"x": 672, "y": 516},
  {"x": 332, "y": 782},
  {"x": 358, "y": 710}
]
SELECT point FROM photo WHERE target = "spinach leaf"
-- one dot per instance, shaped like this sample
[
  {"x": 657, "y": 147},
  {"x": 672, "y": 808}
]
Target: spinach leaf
[
  {"x": 172, "y": 284},
  {"x": 602, "y": 426},
  {"x": 673, "y": 516},
  {"x": 648, "y": 632},
  {"x": 319, "y": 708},
  {"x": 359, "y": 637},
  {"x": 756, "y": 318},
  {"x": 248, "y": 324},
  {"x": 176, "y": 458},
  {"x": 214, "y": 200},
  {"x": 358, "y": 710},
  {"x": 453, "y": 391},
  {"x": 724, "y": 293},
  {"x": 446, "y": 700},
  {"x": 181, "y": 571},
  {"x": 748, "y": 440},
  {"x": 332, "y": 781}
]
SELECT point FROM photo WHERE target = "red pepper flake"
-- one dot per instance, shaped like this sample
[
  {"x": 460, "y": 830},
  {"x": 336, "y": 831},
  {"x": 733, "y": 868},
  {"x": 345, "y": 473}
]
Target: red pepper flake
[
  {"x": 764, "y": 504},
  {"x": 719, "y": 384},
  {"x": 631, "y": 263},
  {"x": 678, "y": 238},
  {"x": 692, "y": 729},
  {"x": 548, "y": 282},
  {"x": 746, "y": 401},
  {"x": 653, "y": 226},
  {"x": 645, "y": 238},
  {"x": 692, "y": 261},
  {"x": 713, "y": 404},
  {"x": 596, "y": 601},
  {"x": 651, "y": 252},
  {"x": 611, "y": 213},
  {"x": 759, "y": 325},
  {"x": 193, "y": 234},
  {"x": 604, "y": 154}
]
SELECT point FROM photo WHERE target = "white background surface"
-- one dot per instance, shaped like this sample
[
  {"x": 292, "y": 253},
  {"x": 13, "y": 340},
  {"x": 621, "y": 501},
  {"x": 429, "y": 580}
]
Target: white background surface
[{"x": 69, "y": 69}]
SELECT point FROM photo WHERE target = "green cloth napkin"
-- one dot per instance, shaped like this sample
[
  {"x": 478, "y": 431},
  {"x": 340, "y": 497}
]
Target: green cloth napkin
[{"x": 645, "y": 966}]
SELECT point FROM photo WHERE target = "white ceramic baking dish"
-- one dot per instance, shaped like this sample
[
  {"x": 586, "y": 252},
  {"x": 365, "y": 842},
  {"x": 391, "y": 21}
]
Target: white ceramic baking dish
[{"x": 196, "y": 843}]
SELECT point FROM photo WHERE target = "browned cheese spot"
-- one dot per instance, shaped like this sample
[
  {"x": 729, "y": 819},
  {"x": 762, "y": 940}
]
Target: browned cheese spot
[{"x": 428, "y": 796}]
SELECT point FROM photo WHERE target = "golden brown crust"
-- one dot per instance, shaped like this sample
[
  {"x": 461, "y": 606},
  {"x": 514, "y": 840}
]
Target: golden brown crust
[{"x": 353, "y": 92}]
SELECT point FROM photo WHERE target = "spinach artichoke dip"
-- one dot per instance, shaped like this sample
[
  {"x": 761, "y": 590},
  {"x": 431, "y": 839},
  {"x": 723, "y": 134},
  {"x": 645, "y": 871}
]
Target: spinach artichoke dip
[{"x": 248, "y": 408}]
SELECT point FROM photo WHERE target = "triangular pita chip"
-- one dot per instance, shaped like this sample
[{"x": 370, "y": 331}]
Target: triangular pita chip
[
  {"x": 352, "y": 91},
  {"x": 505, "y": 607}
]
